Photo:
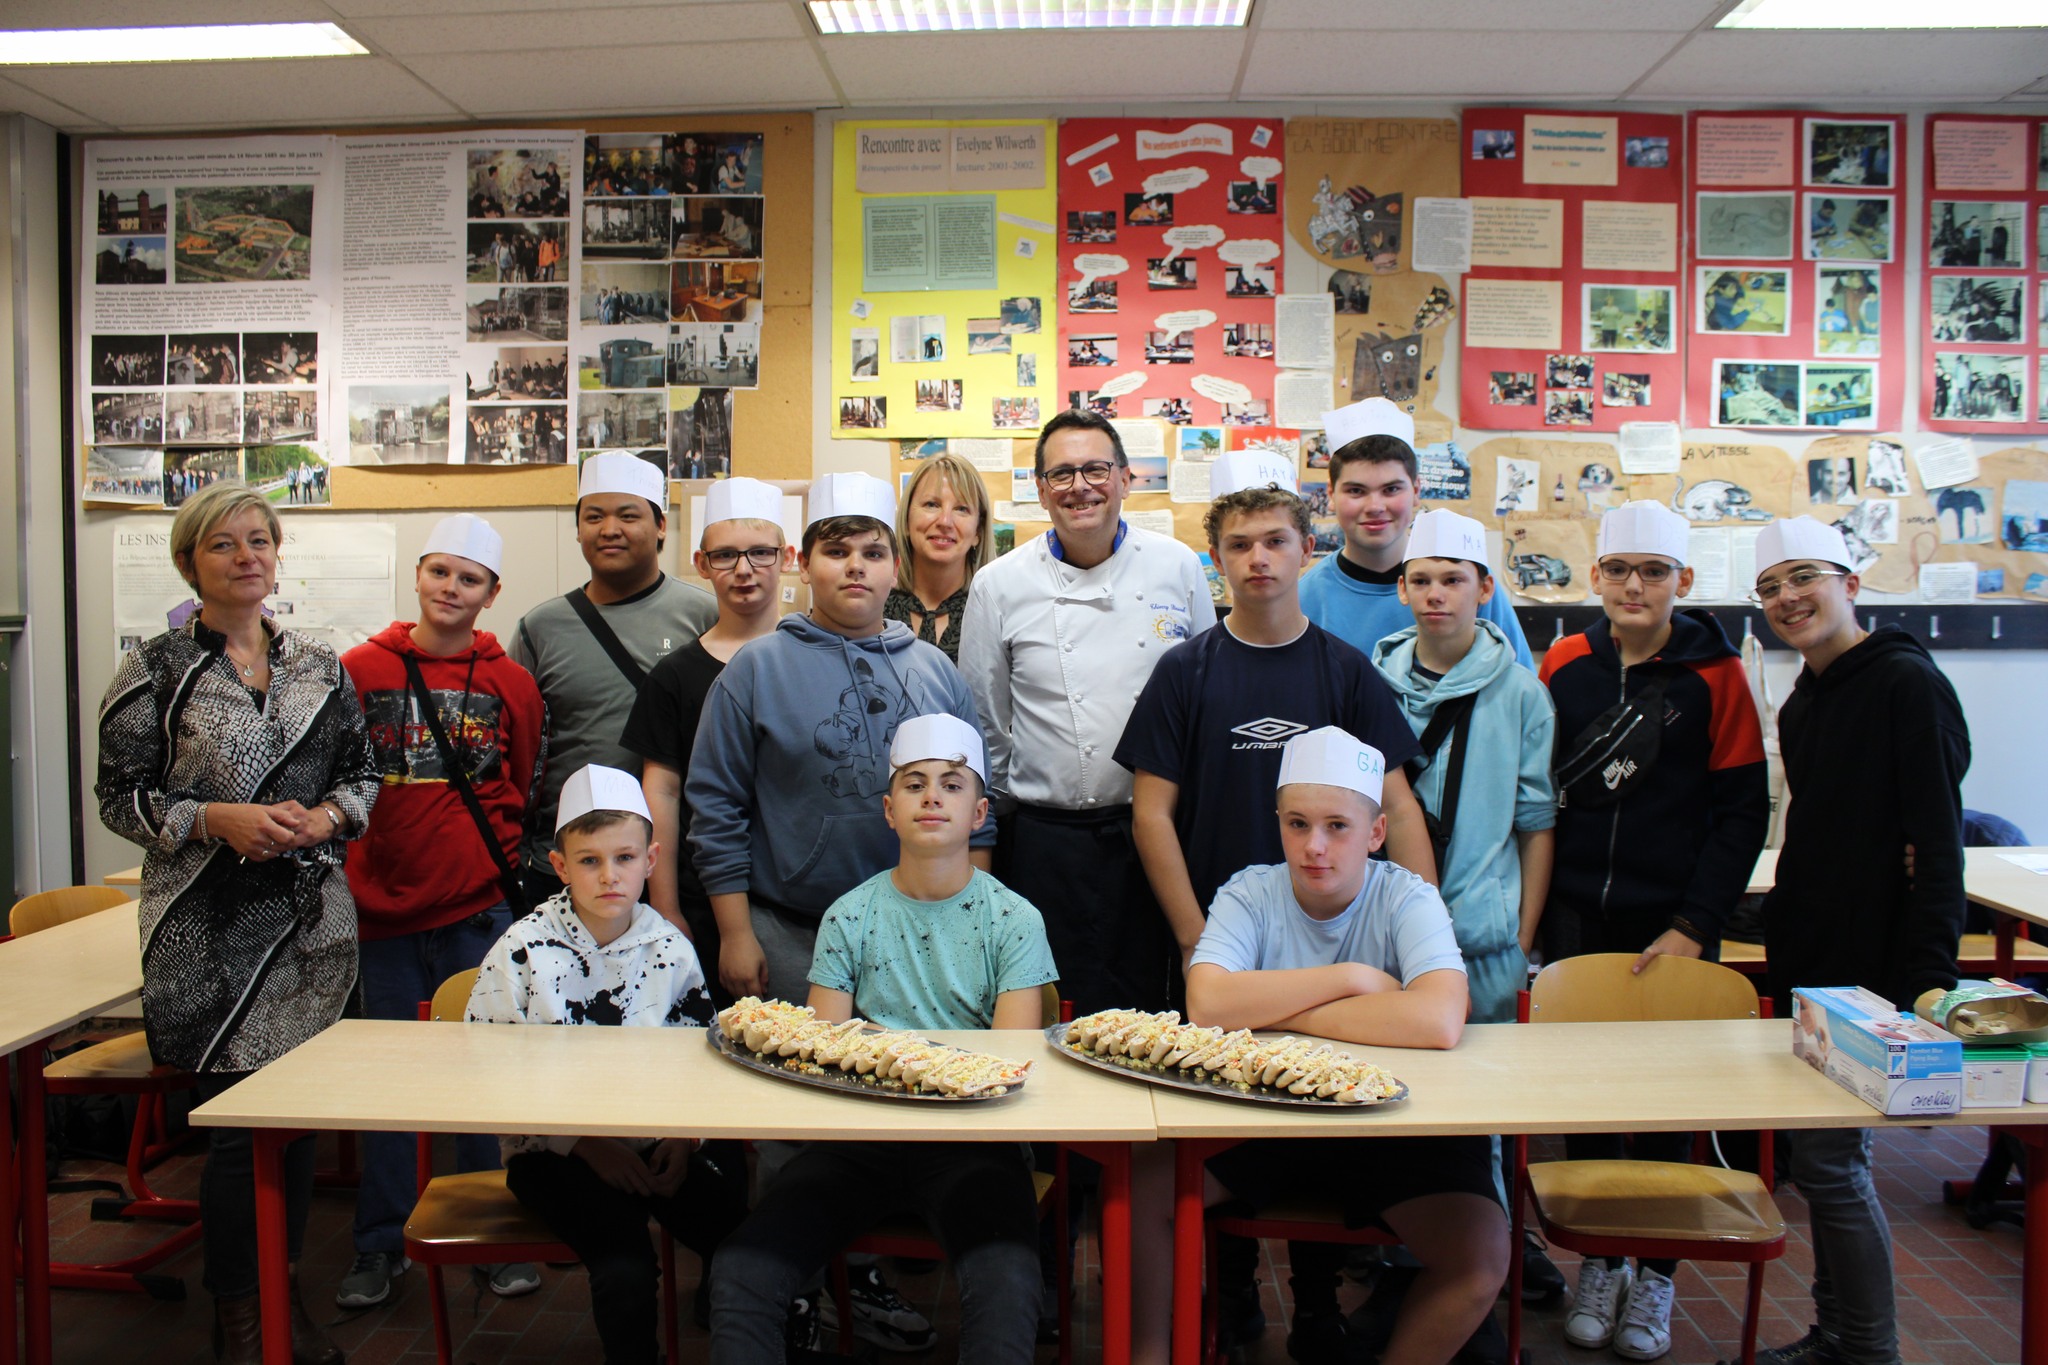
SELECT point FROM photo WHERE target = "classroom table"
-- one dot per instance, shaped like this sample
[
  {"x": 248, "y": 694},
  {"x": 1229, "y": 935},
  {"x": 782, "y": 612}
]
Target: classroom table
[
  {"x": 127, "y": 876},
  {"x": 640, "y": 1082},
  {"x": 53, "y": 979},
  {"x": 1635, "y": 1077}
]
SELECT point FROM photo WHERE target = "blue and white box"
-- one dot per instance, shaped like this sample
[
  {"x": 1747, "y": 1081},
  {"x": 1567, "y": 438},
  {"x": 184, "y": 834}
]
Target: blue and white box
[{"x": 1896, "y": 1063}]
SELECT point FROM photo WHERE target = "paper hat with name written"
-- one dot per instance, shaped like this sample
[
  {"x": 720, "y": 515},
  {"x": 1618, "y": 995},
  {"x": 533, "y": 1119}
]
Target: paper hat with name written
[
  {"x": 621, "y": 471},
  {"x": 1330, "y": 757},
  {"x": 1790, "y": 538},
  {"x": 468, "y": 535},
  {"x": 1644, "y": 528},
  {"x": 742, "y": 500},
  {"x": 1242, "y": 469},
  {"x": 941, "y": 736},
  {"x": 1442, "y": 534},
  {"x": 851, "y": 495},
  {"x": 1370, "y": 417},
  {"x": 596, "y": 787}
]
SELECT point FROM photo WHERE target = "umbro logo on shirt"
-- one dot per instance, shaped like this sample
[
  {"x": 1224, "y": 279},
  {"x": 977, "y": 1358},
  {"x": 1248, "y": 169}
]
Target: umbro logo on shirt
[{"x": 1269, "y": 733}]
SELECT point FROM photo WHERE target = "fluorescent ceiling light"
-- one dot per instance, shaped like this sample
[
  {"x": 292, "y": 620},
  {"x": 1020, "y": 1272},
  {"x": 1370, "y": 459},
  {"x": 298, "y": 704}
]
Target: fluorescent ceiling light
[
  {"x": 1885, "y": 14},
  {"x": 958, "y": 16},
  {"x": 188, "y": 43}
]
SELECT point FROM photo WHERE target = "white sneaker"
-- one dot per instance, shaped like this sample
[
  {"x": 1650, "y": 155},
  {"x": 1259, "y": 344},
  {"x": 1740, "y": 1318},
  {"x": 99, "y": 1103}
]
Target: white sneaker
[
  {"x": 1645, "y": 1331},
  {"x": 1598, "y": 1302}
]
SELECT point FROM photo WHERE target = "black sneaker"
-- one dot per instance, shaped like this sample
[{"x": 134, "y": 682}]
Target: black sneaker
[
  {"x": 800, "y": 1332},
  {"x": 1240, "y": 1315},
  {"x": 1542, "y": 1281},
  {"x": 1321, "y": 1338},
  {"x": 1811, "y": 1349},
  {"x": 368, "y": 1282},
  {"x": 880, "y": 1314}
]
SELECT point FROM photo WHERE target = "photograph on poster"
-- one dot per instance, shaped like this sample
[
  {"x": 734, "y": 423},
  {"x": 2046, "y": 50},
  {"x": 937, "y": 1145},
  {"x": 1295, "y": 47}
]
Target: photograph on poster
[
  {"x": 1885, "y": 470},
  {"x": 1027, "y": 370},
  {"x": 2041, "y": 381},
  {"x": 866, "y": 354},
  {"x": 516, "y": 182},
  {"x": 1624, "y": 390},
  {"x": 129, "y": 260},
  {"x": 1316, "y": 497},
  {"x": 715, "y": 291},
  {"x": 144, "y": 210},
  {"x": 1196, "y": 443},
  {"x": 519, "y": 433},
  {"x": 1750, "y": 300},
  {"x": 202, "y": 416},
  {"x": 720, "y": 226},
  {"x": 1831, "y": 480},
  {"x": 1627, "y": 318},
  {"x": 724, "y": 355},
  {"x": 124, "y": 474},
  {"x": 1511, "y": 388},
  {"x": 1148, "y": 473},
  {"x": 1568, "y": 372},
  {"x": 1568, "y": 409},
  {"x": 496, "y": 373},
  {"x": 516, "y": 253},
  {"x": 1753, "y": 394},
  {"x": 1752, "y": 227},
  {"x": 616, "y": 164},
  {"x": 1847, "y": 319},
  {"x": 725, "y": 163},
  {"x": 1977, "y": 234},
  {"x": 1175, "y": 272},
  {"x": 1979, "y": 388},
  {"x": 229, "y": 234},
  {"x": 700, "y": 434},
  {"x": 1966, "y": 514},
  {"x": 1169, "y": 348},
  {"x": 938, "y": 395},
  {"x": 1148, "y": 210},
  {"x": 1977, "y": 308},
  {"x": 398, "y": 423},
  {"x": 1844, "y": 229},
  {"x": 618, "y": 229},
  {"x": 1091, "y": 348},
  {"x": 288, "y": 475},
  {"x": 2024, "y": 525},
  {"x": 204, "y": 358},
  {"x": 985, "y": 336},
  {"x": 604, "y": 420},
  {"x": 1251, "y": 340},
  {"x": 128, "y": 418},
  {"x": 280, "y": 357},
  {"x": 1176, "y": 411},
  {"x": 1088, "y": 400},
  {"x": 1097, "y": 228},
  {"x": 618, "y": 293},
  {"x": 1091, "y": 296},
  {"x": 517, "y": 313},
  {"x": 1257, "y": 413},
  {"x": 1015, "y": 414},
  {"x": 1252, "y": 196},
  {"x": 280, "y": 415},
  {"x": 1646, "y": 153},
  {"x": 1315, "y": 450},
  {"x": 190, "y": 471},
  {"x": 1849, "y": 153},
  {"x": 1018, "y": 317},
  {"x": 1246, "y": 281},
  {"x": 1351, "y": 290},
  {"x": 1493, "y": 144},
  {"x": 128, "y": 360}
]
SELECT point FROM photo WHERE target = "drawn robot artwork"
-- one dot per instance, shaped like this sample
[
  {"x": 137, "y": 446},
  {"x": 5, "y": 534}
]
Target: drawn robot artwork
[
  {"x": 1389, "y": 367},
  {"x": 1357, "y": 223}
]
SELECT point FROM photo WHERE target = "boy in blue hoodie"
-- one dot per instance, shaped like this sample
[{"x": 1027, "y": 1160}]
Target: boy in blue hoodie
[{"x": 1484, "y": 772}]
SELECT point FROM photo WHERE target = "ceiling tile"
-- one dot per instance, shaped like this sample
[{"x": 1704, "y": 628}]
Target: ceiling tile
[
  {"x": 752, "y": 75},
  {"x": 1295, "y": 64},
  {"x": 16, "y": 99},
  {"x": 980, "y": 68},
  {"x": 239, "y": 94},
  {"x": 363, "y": 9},
  {"x": 1595, "y": 16},
  {"x": 1882, "y": 68},
  {"x": 150, "y": 13},
  {"x": 634, "y": 26}
]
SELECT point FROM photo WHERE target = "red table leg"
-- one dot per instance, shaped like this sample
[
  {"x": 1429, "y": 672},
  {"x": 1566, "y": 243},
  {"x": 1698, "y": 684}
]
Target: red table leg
[
  {"x": 35, "y": 1212},
  {"x": 1188, "y": 1179},
  {"x": 2002, "y": 927},
  {"x": 272, "y": 1255},
  {"x": 2033, "y": 1140},
  {"x": 1115, "y": 1158},
  {"x": 10, "y": 1193}
]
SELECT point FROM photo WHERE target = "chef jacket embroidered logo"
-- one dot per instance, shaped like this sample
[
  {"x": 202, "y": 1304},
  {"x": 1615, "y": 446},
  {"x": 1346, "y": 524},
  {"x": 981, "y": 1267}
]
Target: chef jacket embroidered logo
[
  {"x": 1171, "y": 622},
  {"x": 1270, "y": 733}
]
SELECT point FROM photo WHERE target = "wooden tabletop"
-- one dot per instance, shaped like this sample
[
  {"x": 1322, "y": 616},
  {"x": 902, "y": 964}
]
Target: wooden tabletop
[
  {"x": 642, "y": 1082},
  {"x": 130, "y": 876},
  {"x": 54, "y": 979},
  {"x": 1991, "y": 880}
]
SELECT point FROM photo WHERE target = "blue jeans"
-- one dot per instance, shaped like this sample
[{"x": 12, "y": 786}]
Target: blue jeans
[
  {"x": 1853, "y": 1303},
  {"x": 396, "y": 974}
]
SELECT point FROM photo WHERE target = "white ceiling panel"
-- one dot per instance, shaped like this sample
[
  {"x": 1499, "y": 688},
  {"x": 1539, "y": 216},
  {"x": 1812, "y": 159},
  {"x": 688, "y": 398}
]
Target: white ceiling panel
[
  {"x": 1293, "y": 64},
  {"x": 1879, "y": 67},
  {"x": 147, "y": 13},
  {"x": 405, "y": 36},
  {"x": 239, "y": 94},
  {"x": 985, "y": 67},
  {"x": 358, "y": 9},
  {"x": 1598, "y": 16},
  {"x": 15, "y": 99},
  {"x": 756, "y": 75}
]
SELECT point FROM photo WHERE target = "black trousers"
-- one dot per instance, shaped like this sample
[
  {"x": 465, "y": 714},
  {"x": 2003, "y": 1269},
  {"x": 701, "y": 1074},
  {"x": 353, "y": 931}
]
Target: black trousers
[
  {"x": 227, "y": 1198},
  {"x": 1081, "y": 870}
]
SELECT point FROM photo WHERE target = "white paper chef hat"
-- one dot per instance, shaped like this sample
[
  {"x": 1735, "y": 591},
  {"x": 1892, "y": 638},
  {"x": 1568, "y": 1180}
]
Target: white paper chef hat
[
  {"x": 1241, "y": 469},
  {"x": 1790, "y": 538},
  {"x": 852, "y": 495},
  {"x": 596, "y": 787},
  {"x": 1330, "y": 757},
  {"x": 1370, "y": 417},
  {"x": 1643, "y": 527},
  {"x": 468, "y": 535},
  {"x": 941, "y": 736},
  {"x": 621, "y": 471},
  {"x": 1442, "y": 534},
  {"x": 742, "y": 500}
]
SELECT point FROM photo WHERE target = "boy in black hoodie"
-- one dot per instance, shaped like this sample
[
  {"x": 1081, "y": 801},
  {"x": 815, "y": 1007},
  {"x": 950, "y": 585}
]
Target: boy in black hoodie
[
  {"x": 1875, "y": 750},
  {"x": 1662, "y": 811}
]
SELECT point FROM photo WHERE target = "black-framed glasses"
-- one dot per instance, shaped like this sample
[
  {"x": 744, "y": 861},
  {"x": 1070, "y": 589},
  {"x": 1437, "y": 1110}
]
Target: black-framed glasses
[
  {"x": 1618, "y": 571},
  {"x": 760, "y": 556},
  {"x": 1799, "y": 581},
  {"x": 1095, "y": 474}
]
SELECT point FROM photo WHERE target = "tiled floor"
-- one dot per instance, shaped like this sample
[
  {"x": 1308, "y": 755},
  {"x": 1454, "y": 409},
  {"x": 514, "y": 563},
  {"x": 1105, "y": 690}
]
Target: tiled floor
[{"x": 1958, "y": 1289}]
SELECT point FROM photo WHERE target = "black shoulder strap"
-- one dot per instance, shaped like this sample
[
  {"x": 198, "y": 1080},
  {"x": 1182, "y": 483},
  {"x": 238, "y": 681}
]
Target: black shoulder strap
[
  {"x": 458, "y": 777},
  {"x": 1452, "y": 718},
  {"x": 606, "y": 637}
]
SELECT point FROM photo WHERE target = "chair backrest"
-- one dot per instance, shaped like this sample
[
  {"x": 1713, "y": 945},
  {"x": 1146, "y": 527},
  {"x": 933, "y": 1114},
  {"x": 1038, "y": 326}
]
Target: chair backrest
[
  {"x": 451, "y": 1001},
  {"x": 1600, "y": 988},
  {"x": 1050, "y": 993},
  {"x": 61, "y": 905}
]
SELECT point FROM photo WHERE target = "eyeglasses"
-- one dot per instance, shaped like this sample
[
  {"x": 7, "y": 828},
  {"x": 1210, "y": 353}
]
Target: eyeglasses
[
  {"x": 1799, "y": 581},
  {"x": 760, "y": 556},
  {"x": 1095, "y": 474},
  {"x": 1618, "y": 571}
]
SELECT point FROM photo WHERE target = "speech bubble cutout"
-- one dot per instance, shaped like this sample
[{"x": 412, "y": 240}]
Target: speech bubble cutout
[
  {"x": 1094, "y": 264},
  {"x": 1176, "y": 181},
  {"x": 1260, "y": 168},
  {"x": 1220, "y": 390},
  {"x": 1192, "y": 238},
  {"x": 1118, "y": 385},
  {"x": 1185, "y": 320},
  {"x": 1248, "y": 251}
]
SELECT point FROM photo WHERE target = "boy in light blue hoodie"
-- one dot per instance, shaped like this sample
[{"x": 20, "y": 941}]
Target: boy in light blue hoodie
[{"x": 1487, "y": 733}]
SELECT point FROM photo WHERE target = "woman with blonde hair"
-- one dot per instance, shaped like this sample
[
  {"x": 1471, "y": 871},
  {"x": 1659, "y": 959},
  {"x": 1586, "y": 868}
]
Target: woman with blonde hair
[{"x": 945, "y": 523}]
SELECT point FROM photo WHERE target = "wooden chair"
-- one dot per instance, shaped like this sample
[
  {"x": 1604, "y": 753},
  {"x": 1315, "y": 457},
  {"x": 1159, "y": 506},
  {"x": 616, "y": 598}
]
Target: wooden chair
[
  {"x": 1654, "y": 1209},
  {"x": 1304, "y": 1220},
  {"x": 910, "y": 1239},
  {"x": 472, "y": 1219},
  {"x": 121, "y": 1065}
]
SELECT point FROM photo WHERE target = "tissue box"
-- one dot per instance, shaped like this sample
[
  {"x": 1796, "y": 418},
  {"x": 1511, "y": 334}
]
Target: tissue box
[
  {"x": 2037, "y": 1073},
  {"x": 1895, "y": 1063},
  {"x": 1994, "y": 1077}
]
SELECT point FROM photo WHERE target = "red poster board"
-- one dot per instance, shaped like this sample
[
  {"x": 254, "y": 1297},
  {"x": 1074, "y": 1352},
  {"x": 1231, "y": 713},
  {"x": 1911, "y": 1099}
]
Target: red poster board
[
  {"x": 1984, "y": 350},
  {"x": 1597, "y": 376},
  {"x": 1796, "y": 281},
  {"x": 1176, "y": 223}
]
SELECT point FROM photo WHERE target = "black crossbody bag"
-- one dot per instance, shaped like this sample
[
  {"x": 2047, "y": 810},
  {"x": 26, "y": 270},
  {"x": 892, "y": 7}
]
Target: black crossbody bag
[
  {"x": 458, "y": 777},
  {"x": 1453, "y": 718},
  {"x": 607, "y": 638}
]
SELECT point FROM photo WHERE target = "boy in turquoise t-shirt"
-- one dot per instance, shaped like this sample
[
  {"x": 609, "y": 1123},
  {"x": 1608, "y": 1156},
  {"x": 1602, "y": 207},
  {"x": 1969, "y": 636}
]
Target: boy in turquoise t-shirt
[{"x": 932, "y": 943}]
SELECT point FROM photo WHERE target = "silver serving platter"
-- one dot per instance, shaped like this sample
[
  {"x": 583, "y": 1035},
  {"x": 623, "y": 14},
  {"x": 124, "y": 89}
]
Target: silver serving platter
[
  {"x": 1176, "y": 1079},
  {"x": 844, "y": 1082}
]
